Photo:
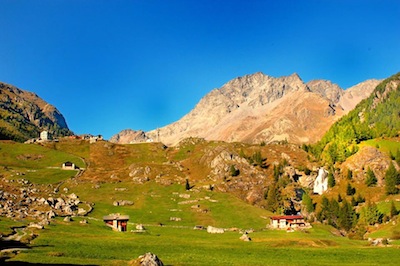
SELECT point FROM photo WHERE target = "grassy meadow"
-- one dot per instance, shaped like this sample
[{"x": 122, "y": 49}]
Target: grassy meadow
[{"x": 154, "y": 204}]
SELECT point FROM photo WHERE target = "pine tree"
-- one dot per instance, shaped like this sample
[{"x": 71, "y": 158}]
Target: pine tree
[
  {"x": 393, "y": 210},
  {"x": 346, "y": 214},
  {"x": 350, "y": 190},
  {"x": 307, "y": 203},
  {"x": 391, "y": 180},
  {"x": 331, "y": 180},
  {"x": 349, "y": 174},
  {"x": 371, "y": 178},
  {"x": 233, "y": 171},
  {"x": 272, "y": 198},
  {"x": 398, "y": 157}
]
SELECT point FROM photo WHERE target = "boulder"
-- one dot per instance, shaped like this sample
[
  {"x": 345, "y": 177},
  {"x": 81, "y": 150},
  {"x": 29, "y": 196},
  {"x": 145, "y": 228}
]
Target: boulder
[
  {"x": 245, "y": 237},
  {"x": 215, "y": 230},
  {"x": 149, "y": 259}
]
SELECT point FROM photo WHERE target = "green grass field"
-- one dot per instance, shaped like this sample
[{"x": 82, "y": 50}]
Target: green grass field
[
  {"x": 94, "y": 243},
  {"x": 36, "y": 163},
  {"x": 175, "y": 242},
  {"x": 385, "y": 145}
]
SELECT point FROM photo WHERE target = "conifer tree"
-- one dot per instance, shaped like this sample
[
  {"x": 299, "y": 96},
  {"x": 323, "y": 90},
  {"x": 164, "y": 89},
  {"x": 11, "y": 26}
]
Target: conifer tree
[
  {"x": 391, "y": 180},
  {"x": 346, "y": 214},
  {"x": 331, "y": 180},
  {"x": 371, "y": 178},
  {"x": 307, "y": 203},
  {"x": 349, "y": 174},
  {"x": 393, "y": 210},
  {"x": 272, "y": 198}
]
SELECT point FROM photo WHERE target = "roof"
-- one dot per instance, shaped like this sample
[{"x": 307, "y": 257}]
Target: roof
[
  {"x": 287, "y": 217},
  {"x": 115, "y": 217}
]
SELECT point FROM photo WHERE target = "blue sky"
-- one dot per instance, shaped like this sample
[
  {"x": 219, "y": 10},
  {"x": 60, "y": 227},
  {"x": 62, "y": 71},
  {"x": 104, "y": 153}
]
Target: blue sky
[{"x": 142, "y": 64}]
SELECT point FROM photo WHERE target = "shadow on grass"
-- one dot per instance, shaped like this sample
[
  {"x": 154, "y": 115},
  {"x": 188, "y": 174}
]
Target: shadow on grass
[
  {"x": 20, "y": 263},
  {"x": 9, "y": 248}
]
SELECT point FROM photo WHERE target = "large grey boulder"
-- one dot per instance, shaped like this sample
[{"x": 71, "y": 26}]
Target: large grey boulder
[{"x": 150, "y": 259}]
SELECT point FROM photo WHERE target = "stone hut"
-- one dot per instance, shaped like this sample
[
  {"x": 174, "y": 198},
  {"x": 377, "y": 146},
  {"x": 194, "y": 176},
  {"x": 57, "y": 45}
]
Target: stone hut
[
  {"x": 117, "y": 221},
  {"x": 69, "y": 166}
]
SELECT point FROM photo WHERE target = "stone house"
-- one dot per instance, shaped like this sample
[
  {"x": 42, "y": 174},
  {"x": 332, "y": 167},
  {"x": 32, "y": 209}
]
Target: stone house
[
  {"x": 287, "y": 221},
  {"x": 45, "y": 135},
  {"x": 69, "y": 166},
  {"x": 117, "y": 221}
]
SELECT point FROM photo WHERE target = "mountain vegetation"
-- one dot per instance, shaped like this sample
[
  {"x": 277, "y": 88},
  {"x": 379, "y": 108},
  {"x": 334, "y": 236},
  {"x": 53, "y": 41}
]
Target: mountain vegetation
[
  {"x": 23, "y": 115},
  {"x": 377, "y": 116}
]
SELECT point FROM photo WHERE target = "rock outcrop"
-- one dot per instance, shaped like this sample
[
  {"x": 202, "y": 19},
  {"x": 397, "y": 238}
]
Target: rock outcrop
[{"x": 128, "y": 136}]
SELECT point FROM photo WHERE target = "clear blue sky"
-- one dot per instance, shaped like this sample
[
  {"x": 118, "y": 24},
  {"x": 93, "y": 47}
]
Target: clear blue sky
[{"x": 142, "y": 64}]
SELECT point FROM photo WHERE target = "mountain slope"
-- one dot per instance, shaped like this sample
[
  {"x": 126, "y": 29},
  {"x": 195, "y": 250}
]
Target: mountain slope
[
  {"x": 376, "y": 116},
  {"x": 24, "y": 114},
  {"x": 254, "y": 109}
]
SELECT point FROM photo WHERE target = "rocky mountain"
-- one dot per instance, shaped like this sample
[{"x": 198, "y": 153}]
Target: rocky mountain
[
  {"x": 260, "y": 108},
  {"x": 23, "y": 115},
  {"x": 129, "y": 136}
]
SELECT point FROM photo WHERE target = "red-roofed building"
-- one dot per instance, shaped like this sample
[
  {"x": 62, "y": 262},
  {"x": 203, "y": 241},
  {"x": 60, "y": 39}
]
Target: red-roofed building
[{"x": 287, "y": 221}]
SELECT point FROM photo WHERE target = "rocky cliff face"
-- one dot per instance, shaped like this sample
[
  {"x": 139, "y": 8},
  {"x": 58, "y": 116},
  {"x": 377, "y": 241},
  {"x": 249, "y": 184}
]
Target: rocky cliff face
[
  {"x": 24, "y": 114},
  {"x": 259, "y": 108},
  {"x": 128, "y": 136}
]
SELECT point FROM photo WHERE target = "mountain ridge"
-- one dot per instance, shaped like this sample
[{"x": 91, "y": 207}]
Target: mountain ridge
[
  {"x": 247, "y": 109},
  {"x": 24, "y": 114}
]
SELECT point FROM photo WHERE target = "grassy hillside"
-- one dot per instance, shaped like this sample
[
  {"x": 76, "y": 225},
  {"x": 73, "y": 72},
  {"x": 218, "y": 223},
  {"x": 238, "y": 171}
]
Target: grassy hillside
[
  {"x": 38, "y": 164},
  {"x": 152, "y": 178}
]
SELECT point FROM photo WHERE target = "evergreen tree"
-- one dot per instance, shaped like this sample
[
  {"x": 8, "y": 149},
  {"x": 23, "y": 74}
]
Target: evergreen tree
[
  {"x": 346, "y": 216},
  {"x": 233, "y": 171},
  {"x": 371, "y": 214},
  {"x": 349, "y": 174},
  {"x": 331, "y": 180},
  {"x": 391, "y": 180},
  {"x": 277, "y": 171},
  {"x": 393, "y": 210},
  {"x": 371, "y": 178},
  {"x": 323, "y": 214},
  {"x": 350, "y": 190},
  {"x": 334, "y": 210},
  {"x": 273, "y": 198},
  {"x": 307, "y": 203},
  {"x": 398, "y": 157}
]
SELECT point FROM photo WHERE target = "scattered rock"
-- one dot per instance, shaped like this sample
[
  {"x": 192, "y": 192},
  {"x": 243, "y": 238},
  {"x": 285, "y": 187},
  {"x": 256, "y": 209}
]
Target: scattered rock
[
  {"x": 215, "y": 230},
  {"x": 245, "y": 237},
  {"x": 149, "y": 259}
]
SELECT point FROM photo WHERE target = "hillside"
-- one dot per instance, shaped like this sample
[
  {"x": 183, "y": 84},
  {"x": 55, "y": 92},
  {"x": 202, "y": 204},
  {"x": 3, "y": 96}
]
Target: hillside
[
  {"x": 23, "y": 115},
  {"x": 231, "y": 187},
  {"x": 375, "y": 117},
  {"x": 253, "y": 109}
]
